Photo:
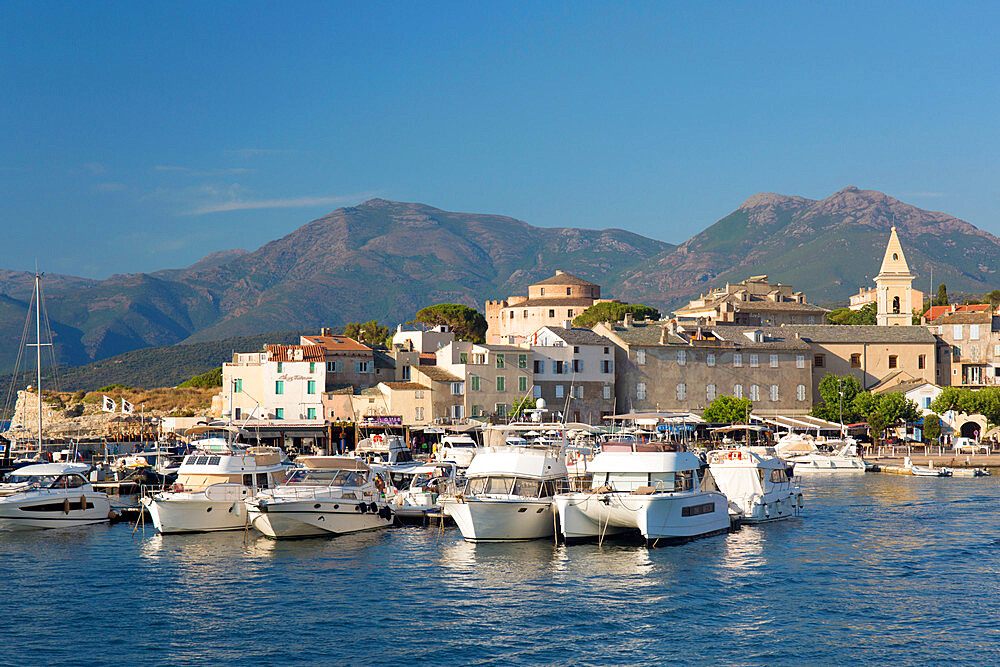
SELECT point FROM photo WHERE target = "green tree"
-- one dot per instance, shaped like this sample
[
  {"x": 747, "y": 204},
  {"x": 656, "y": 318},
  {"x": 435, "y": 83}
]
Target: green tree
[
  {"x": 370, "y": 332},
  {"x": 610, "y": 311},
  {"x": 883, "y": 411},
  {"x": 829, "y": 406},
  {"x": 212, "y": 378},
  {"x": 987, "y": 402},
  {"x": 992, "y": 298},
  {"x": 864, "y": 315},
  {"x": 467, "y": 323},
  {"x": 727, "y": 410},
  {"x": 932, "y": 427},
  {"x": 959, "y": 399},
  {"x": 942, "y": 296}
]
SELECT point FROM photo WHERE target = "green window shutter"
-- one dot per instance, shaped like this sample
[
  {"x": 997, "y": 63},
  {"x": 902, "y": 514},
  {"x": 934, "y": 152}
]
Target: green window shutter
[
  {"x": 311, "y": 413},
  {"x": 279, "y": 387},
  {"x": 279, "y": 413},
  {"x": 311, "y": 387},
  {"x": 522, "y": 383},
  {"x": 522, "y": 361}
]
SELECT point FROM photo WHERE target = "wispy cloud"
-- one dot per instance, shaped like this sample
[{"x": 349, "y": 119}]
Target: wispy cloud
[
  {"x": 189, "y": 171},
  {"x": 253, "y": 204},
  {"x": 109, "y": 187},
  {"x": 254, "y": 152},
  {"x": 95, "y": 168}
]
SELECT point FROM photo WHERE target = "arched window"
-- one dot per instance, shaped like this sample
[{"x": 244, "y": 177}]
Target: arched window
[{"x": 895, "y": 305}]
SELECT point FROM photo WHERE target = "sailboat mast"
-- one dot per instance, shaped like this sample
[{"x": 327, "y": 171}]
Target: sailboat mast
[{"x": 38, "y": 356}]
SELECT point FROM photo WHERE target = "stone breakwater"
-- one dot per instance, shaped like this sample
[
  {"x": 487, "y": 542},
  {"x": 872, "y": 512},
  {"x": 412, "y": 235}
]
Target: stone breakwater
[{"x": 58, "y": 417}]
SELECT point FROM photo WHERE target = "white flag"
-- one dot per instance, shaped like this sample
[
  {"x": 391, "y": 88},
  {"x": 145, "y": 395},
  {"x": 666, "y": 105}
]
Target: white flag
[
  {"x": 127, "y": 408},
  {"x": 109, "y": 404}
]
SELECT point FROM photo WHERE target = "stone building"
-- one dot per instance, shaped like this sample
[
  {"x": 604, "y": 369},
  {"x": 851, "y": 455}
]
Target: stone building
[
  {"x": 869, "y": 353},
  {"x": 553, "y": 301},
  {"x": 752, "y": 302},
  {"x": 969, "y": 351},
  {"x": 487, "y": 378},
  {"x": 574, "y": 371},
  {"x": 666, "y": 367}
]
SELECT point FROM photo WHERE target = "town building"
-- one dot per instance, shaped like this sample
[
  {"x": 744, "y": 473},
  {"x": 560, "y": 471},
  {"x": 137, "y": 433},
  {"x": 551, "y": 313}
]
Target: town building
[
  {"x": 283, "y": 383},
  {"x": 666, "y": 367},
  {"x": 488, "y": 379},
  {"x": 752, "y": 302},
  {"x": 553, "y": 301},
  {"x": 869, "y": 353},
  {"x": 894, "y": 287},
  {"x": 417, "y": 347},
  {"x": 574, "y": 371},
  {"x": 969, "y": 352},
  {"x": 934, "y": 312},
  {"x": 348, "y": 363},
  {"x": 869, "y": 295}
]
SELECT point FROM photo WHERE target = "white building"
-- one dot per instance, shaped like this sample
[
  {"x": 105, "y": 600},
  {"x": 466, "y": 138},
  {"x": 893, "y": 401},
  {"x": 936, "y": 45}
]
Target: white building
[
  {"x": 574, "y": 371},
  {"x": 282, "y": 383}
]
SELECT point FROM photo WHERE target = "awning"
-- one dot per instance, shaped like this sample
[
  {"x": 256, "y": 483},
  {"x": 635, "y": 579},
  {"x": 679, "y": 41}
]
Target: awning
[{"x": 797, "y": 423}]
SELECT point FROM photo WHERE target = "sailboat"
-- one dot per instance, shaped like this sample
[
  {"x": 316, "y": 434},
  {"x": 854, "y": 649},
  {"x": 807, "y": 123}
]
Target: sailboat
[{"x": 49, "y": 495}]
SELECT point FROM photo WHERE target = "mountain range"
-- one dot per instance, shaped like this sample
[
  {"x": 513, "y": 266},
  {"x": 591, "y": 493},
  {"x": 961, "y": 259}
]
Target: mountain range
[{"x": 385, "y": 260}]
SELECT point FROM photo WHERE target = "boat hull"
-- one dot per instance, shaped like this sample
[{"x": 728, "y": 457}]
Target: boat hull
[
  {"x": 502, "y": 519},
  {"x": 655, "y": 516},
  {"x": 311, "y": 518},
  {"x": 172, "y": 515},
  {"x": 17, "y": 513}
]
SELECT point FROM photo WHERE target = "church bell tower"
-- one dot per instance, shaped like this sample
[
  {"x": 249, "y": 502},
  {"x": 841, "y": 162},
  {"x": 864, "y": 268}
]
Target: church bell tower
[{"x": 894, "y": 286}]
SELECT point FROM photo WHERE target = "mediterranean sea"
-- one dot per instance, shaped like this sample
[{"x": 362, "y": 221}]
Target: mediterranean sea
[{"x": 879, "y": 569}]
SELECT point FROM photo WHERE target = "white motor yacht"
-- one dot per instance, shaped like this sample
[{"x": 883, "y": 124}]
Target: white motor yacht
[
  {"x": 758, "y": 487},
  {"x": 844, "y": 459},
  {"x": 51, "y": 495},
  {"x": 459, "y": 449},
  {"x": 213, "y": 485},
  {"x": 384, "y": 448},
  {"x": 330, "y": 495},
  {"x": 645, "y": 488},
  {"x": 508, "y": 495},
  {"x": 427, "y": 483}
]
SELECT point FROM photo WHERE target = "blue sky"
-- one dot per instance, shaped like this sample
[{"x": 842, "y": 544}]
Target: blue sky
[{"x": 141, "y": 136}]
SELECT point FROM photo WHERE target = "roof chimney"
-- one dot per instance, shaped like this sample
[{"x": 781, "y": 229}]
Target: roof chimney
[
  {"x": 663, "y": 336},
  {"x": 627, "y": 321},
  {"x": 325, "y": 331}
]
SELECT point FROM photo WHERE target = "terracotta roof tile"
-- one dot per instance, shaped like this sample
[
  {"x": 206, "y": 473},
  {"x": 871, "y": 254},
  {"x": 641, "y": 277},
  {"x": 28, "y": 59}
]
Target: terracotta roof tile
[
  {"x": 289, "y": 352},
  {"x": 337, "y": 343}
]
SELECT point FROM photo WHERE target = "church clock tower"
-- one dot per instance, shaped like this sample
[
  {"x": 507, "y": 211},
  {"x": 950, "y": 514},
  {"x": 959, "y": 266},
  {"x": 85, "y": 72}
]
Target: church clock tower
[{"x": 894, "y": 286}]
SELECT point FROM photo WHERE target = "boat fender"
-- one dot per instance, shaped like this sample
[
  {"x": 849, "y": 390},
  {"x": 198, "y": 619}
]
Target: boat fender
[
  {"x": 385, "y": 513},
  {"x": 83, "y": 502},
  {"x": 798, "y": 500},
  {"x": 373, "y": 508},
  {"x": 361, "y": 507},
  {"x": 66, "y": 506}
]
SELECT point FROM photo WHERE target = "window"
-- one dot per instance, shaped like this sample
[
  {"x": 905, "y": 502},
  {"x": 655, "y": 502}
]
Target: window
[
  {"x": 543, "y": 292},
  {"x": 474, "y": 383},
  {"x": 856, "y": 360},
  {"x": 281, "y": 366},
  {"x": 738, "y": 359},
  {"x": 640, "y": 357},
  {"x": 512, "y": 314},
  {"x": 552, "y": 312},
  {"x": 754, "y": 392},
  {"x": 463, "y": 357},
  {"x": 279, "y": 387},
  {"x": 418, "y": 414},
  {"x": 569, "y": 313},
  {"x": 539, "y": 366},
  {"x": 501, "y": 409},
  {"x": 238, "y": 385},
  {"x": 310, "y": 413},
  {"x": 774, "y": 361},
  {"x": 800, "y": 361},
  {"x": 606, "y": 351},
  {"x": 311, "y": 387},
  {"x": 237, "y": 413},
  {"x": 501, "y": 383},
  {"x": 362, "y": 367},
  {"x": 500, "y": 361},
  {"x": 957, "y": 336},
  {"x": 419, "y": 393},
  {"x": 576, "y": 349},
  {"x": 682, "y": 357},
  {"x": 800, "y": 392},
  {"x": 312, "y": 366},
  {"x": 522, "y": 361},
  {"x": 956, "y": 352},
  {"x": 682, "y": 391},
  {"x": 754, "y": 361},
  {"x": 710, "y": 392},
  {"x": 922, "y": 361},
  {"x": 696, "y": 510},
  {"x": 457, "y": 388},
  {"x": 559, "y": 391},
  {"x": 996, "y": 351},
  {"x": 710, "y": 359},
  {"x": 536, "y": 391},
  {"x": 578, "y": 391},
  {"x": 578, "y": 365},
  {"x": 406, "y": 372},
  {"x": 893, "y": 359},
  {"x": 457, "y": 411},
  {"x": 568, "y": 292},
  {"x": 559, "y": 367},
  {"x": 895, "y": 303},
  {"x": 640, "y": 390},
  {"x": 607, "y": 392},
  {"x": 279, "y": 413},
  {"x": 738, "y": 390},
  {"x": 925, "y": 402},
  {"x": 774, "y": 393},
  {"x": 477, "y": 410},
  {"x": 819, "y": 361},
  {"x": 524, "y": 314},
  {"x": 522, "y": 384},
  {"x": 335, "y": 367},
  {"x": 606, "y": 366},
  {"x": 973, "y": 332}
]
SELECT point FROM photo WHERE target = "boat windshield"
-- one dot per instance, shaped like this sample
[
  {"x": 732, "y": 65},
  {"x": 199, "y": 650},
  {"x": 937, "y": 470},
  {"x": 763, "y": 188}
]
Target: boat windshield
[
  {"x": 508, "y": 485},
  {"x": 682, "y": 480},
  {"x": 47, "y": 481},
  {"x": 327, "y": 478}
]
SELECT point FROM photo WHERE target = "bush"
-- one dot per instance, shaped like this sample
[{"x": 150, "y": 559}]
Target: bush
[
  {"x": 113, "y": 387},
  {"x": 212, "y": 378}
]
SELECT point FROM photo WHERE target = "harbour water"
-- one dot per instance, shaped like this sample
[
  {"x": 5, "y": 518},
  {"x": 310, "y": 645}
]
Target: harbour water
[{"x": 879, "y": 569}]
